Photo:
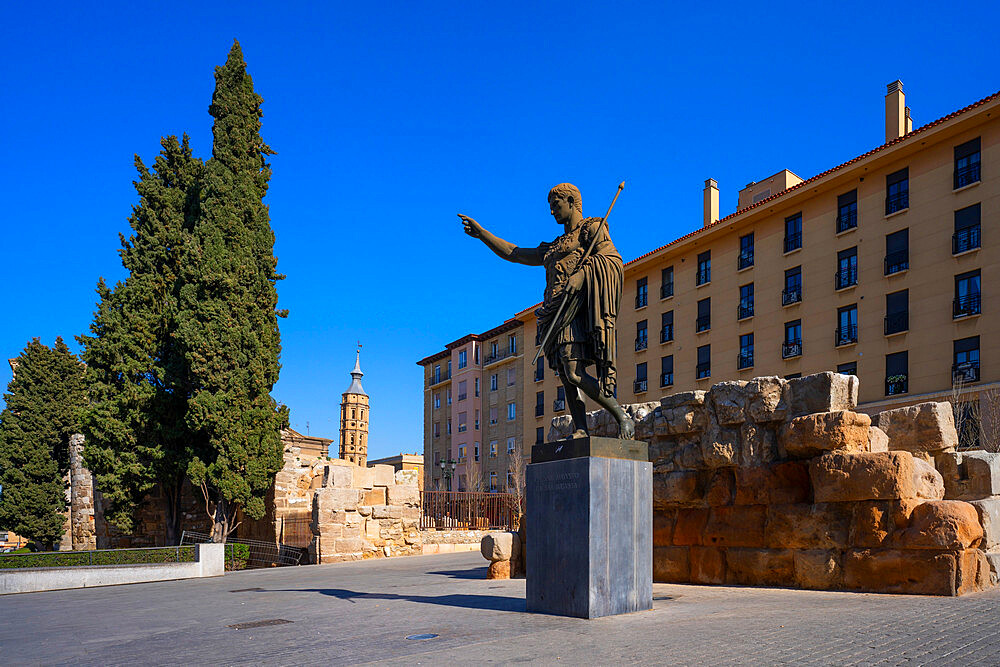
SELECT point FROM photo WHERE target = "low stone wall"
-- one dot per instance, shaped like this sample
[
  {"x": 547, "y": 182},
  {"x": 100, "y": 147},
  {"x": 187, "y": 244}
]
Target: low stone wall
[
  {"x": 451, "y": 541},
  {"x": 775, "y": 482},
  {"x": 209, "y": 562}
]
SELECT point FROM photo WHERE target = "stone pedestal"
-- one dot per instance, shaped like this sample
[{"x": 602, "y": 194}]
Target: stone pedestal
[{"x": 589, "y": 528}]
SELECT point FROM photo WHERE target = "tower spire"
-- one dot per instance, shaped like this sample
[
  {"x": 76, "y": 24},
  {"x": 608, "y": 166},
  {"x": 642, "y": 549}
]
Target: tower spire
[{"x": 354, "y": 418}]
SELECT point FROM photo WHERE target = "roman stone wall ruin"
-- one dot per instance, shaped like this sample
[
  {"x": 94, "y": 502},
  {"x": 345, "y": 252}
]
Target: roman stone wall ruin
[{"x": 785, "y": 483}]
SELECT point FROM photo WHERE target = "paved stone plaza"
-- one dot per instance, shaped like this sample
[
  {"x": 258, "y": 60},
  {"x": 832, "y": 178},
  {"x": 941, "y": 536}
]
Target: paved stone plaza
[{"x": 361, "y": 613}]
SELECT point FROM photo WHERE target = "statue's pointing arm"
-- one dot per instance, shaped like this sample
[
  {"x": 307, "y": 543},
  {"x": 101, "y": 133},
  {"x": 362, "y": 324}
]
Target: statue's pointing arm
[{"x": 503, "y": 249}]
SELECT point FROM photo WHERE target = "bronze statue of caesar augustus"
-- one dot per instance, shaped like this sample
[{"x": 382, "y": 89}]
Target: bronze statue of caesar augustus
[{"x": 583, "y": 331}]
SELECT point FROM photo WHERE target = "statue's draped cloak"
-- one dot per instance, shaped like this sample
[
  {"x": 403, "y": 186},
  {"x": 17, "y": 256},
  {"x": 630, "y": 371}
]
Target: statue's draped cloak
[{"x": 586, "y": 328}]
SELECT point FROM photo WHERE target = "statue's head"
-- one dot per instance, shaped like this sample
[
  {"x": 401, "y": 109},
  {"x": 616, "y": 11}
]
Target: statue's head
[{"x": 563, "y": 200}]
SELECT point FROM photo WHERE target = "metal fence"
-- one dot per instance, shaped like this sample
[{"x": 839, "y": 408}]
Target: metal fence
[
  {"x": 261, "y": 554},
  {"x": 464, "y": 510}
]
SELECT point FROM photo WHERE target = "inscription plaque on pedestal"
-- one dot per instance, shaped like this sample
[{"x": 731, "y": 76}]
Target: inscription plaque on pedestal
[{"x": 589, "y": 528}]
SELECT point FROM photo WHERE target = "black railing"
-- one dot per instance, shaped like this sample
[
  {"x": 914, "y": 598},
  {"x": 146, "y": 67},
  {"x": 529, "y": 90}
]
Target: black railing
[
  {"x": 641, "y": 299},
  {"x": 639, "y": 386},
  {"x": 460, "y": 510},
  {"x": 641, "y": 342},
  {"x": 559, "y": 404},
  {"x": 845, "y": 335},
  {"x": 897, "y": 202},
  {"x": 791, "y": 295},
  {"x": 499, "y": 356},
  {"x": 966, "y": 175},
  {"x": 793, "y": 241},
  {"x": 897, "y": 261},
  {"x": 744, "y": 310},
  {"x": 847, "y": 220},
  {"x": 666, "y": 379},
  {"x": 897, "y": 384},
  {"x": 791, "y": 348},
  {"x": 666, "y": 290},
  {"x": 667, "y": 333},
  {"x": 703, "y": 370},
  {"x": 703, "y": 323},
  {"x": 539, "y": 410},
  {"x": 438, "y": 379},
  {"x": 703, "y": 276},
  {"x": 846, "y": 277},
  {"x": 966, "y": 239},
  {"x": 745, "y": 260},
  {"x": 462, "y": 397},
  {"x": 897, "y": 322},
  {"x": 744, "y": 360},
  {"x": 967, "y": 371},
  {"x": 968, "y": 304}
]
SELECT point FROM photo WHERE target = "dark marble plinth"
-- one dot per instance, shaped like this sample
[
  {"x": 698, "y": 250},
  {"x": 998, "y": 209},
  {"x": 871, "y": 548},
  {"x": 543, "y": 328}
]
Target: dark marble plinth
[{"x": 589, "y": 534}]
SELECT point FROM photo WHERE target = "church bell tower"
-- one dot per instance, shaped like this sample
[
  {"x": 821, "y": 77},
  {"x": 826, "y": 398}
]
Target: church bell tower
[{"x": 354, "y": 419}]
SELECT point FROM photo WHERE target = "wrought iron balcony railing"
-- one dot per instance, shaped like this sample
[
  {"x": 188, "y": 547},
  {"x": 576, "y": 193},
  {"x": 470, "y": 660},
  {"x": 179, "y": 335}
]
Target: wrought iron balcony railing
[
  {"x": 641, "y": 342},
  {"x": 897, "y": 322},
  {"x": 703, "y": 323},
  {"x": 793, "y": 241},
  {"x": 967, "y": 371},
  {"x": 791, "y": 295},
  {"x": 967, "y": 304},
  {"x": 845, "y": 335},
  {"x": 539, "y": 410},
  {"x": 744, "y": 310},
  {"x": 639, "y": 386},
  {"x": 559, "y": 404},
  {"x": 667, "y": 333},
  {"x": 967, "y": 175},
  {"x": 703, "y": 370},
  {"x": 966, "y": 239},
  {"x": 896, "y": 384},
  {"x": 897, "y": 202},
  {"x": 791, "y": 348},
  {"x": 666, "y": 379},
  {"x": 846, "y": 277},
  {"x": 745, "y": 260},
  {"x": 641, "y": 299},
  {"x": 847, "y": 220},
  {"x": 897, "y": 261},
  {"x": 666, "y": 290},
  {"x": 744, "y": 360},
  {"x": 703, "y": 276}
]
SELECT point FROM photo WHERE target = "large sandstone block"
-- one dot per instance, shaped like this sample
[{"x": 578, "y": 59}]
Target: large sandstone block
[
  {"x": 760, "y": 567},
  {"x": 364, "y": 478},
  {"x": 941, "y": 524},
  {"x": 671, "y": 565},
  {"x": 843, "y": 477},
  {"x": 822, "y": 392},
  {"x": 676, "y": 488},
  {"x": 663, "y": 527},
  {"x": 927, "y": 481},
  {"x": 818, "y": 569},
  {"x": 808, "y": 526},
  {"x": 728, "y": 401},
  {"x": 719, "y": 487},
  {"x": 400, "y": 476},
  {"x": 689, "y": 526},
  {"x": 989, "y": 518},
  {"x": 926, "y": 427},
  {"x": 376, "y": 496},
  {"x": 765, "y": 402},
  {"x": 708, "y": 565},
  {"x": 498, "y": 569},
  {"x": 349, "y": 545},
  {"x": 383, "y": 475},
  {"x": 777, "y": 484},
  {"x": 894, "y": 571},
  {"x": 874, "y": 522},
  {"x": 338, "y": 475},
  {"x": 969, "y": 475},
  {"x": 681, "y": 413},
  {"x": 812, "y": 435},
  {"x": 736, "y": 526},
  {"x": 503, "y": 545},
  {"x": 878, "y": 441},
  {"x": 720, "y": 446},
  {"x": 400, "y": 494},
  {"x": 337, "y": 498},
  {"x": 973, "y": 572}
]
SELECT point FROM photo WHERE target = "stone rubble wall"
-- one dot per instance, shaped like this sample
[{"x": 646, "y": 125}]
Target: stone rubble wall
[{"x": 782, "y": 482}]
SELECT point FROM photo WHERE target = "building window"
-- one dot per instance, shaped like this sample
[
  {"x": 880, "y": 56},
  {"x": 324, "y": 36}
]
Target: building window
[
  {"x": 640, "y": 383},
  {"x": 511, "y": 376},
  {"x": 967, "y": 163},
  {"x": 539, "y": 435},
  {"x": 793, "y": 232},
  {"x": 540, "y": 368},
  {"x": 968, "y": 298},
  {"x": 448, "y": 395},
  {"x": 793, "y": 376},
  {"x": 850, "y": 368},
  {"x": 493, "y": 482},
  {"x": 847, "y": 326},
  {"x": 667, "y": 326},
  {"x": 847, "y": 268},
  {"x": 792, "y": 347},
  {"x": 493, "y": 415},
  {"x": 896, "y": 375},
  {"x": 666, "y": 371},
  {"x": 897, "y": 252},
  {"x": 493, "y": 449},
  {"x": 967, "y": 230},
  {"x": 965, "y": 367},
  {"x": 793, "y": 286},
  {"x": 494, "y": 351},
  {"x": 437, "y": 374},
  {"x": 641, "y": 293},
  {"x": 437, "y": 429},
  {"x": 463, "y": 390},
  {"x": 704, "y": 321},
  {"x": 897, "y": 191},
  {"x": 477, "y": 387},
  {"x": 667, "y": 282},
  {"x": 437, "y": 401},
  {"x": 704, "y": 366},
  {"x": 745, "y": 360},
  {"x": 461, "y": 453},
  {"x": 512, "y": 344},
  {"x": 475, "y": 354},
  {"x": 463, "y": 425},
  {"x": 847, "y": 211},
  {"x": 704, "y": 274},
  {"x": 511, "y": 411},
  {"x": 449, "y": 369},
  {"x": 448, "y": 430},
  {"x": 559, "y": 404},
  {"x": 463, "y": 359},
  {"x": 897, "y": 312},
  {"x": 510, "y": 481},
  {"x": 539, "y": 403},
  {"x": 477, "y": 420},
  {"x": 745, "y": 260},
  {"x": 511, "y": 445},
  {"x": 745, "y": 309},
  {"x": 641, "y": 336},
  {"x": 493, "y": 382}
]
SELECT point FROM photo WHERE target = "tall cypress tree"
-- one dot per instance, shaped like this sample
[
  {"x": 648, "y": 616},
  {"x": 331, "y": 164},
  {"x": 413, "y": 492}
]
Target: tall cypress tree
[
  {"x": 137, "y": 374},
  {"x": 229, "y": 318},
  {"x": 43, "y": 404}
]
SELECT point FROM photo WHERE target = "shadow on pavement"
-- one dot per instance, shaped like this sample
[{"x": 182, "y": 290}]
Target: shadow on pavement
[
  {"x": 490, "y": 602},
  {"x": 474, "y": 573}
]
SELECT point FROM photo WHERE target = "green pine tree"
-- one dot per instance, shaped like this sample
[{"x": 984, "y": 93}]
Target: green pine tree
[
  {"x": 43, "y": 403},
  {"x": 137, "y": 374},
  {"x": 229, "y": 318}
]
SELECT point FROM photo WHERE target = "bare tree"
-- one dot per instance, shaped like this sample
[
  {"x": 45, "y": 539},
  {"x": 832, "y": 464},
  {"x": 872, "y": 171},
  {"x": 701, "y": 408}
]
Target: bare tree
[
  {"x": 965, "y": 408},
  {"x": 516, "y": 484},
  {"x": 988, "y": 413},
  {"x": 473, "y": 474}
]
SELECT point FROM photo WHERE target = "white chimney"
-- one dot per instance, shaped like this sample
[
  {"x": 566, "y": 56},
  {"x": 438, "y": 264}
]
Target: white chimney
[
  {"x": 896, "y": 113},
  {"x": 711, "y": 202}
]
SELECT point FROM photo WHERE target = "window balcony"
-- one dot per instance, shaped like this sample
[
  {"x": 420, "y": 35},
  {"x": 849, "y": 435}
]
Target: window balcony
[
  {"x": 897, "y": 322},
  {"x": 847, "y": 277},
  {"x": 641, "y": 299},
  {"x": 847, "y": 220},
  {"x": 896, "y": 384},
  {"x": 744, "y": 310},
  {"x": 639, "y": 386},
  {"x": 703, "y": 371},
  {"x": 667, "y": 334},
  {"x": 462, "y": 397},
  {"x": 462, "y": 428},
  {"x": 703, "y": 276},
  {"x": 897, "y": 202},
  {"x": 745, "y": 260},
  {"x": 897, "y": 261},
  {"x": 539, "y": 410},
  {"x": 744, "y": 360},
  {"x": 969, "y": 304},
  {"x": 666, "y": 379},
  {"x": 559, "y": 404},
  {"x": 666, "y": 290},
  {"x": 539, "y": 376},
  {"x": 499, "y": 355},
  {"x": 965, "y": 240},
  {"x": 967, "y": 175},
  {"x": 703, "y": 323},
  {"x": 791, "y": 348},
  {"x": 967, "y": 371},
  {"x": 641, "y": 343},
  {"x": 845, "y": 335},
  {"x": 438, "y": 379},
  {"x": 793, "y": 242},
  {"x": 791, "y": 295}
]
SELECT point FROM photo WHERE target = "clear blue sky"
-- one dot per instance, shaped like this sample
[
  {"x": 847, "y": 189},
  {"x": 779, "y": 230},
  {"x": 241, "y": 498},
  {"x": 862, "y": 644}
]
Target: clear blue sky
[{"x": 389, "y": 118}]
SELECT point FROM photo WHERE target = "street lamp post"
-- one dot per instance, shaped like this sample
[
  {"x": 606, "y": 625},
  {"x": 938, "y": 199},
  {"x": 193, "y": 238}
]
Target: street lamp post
[{"x": 448, "y": 470}]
